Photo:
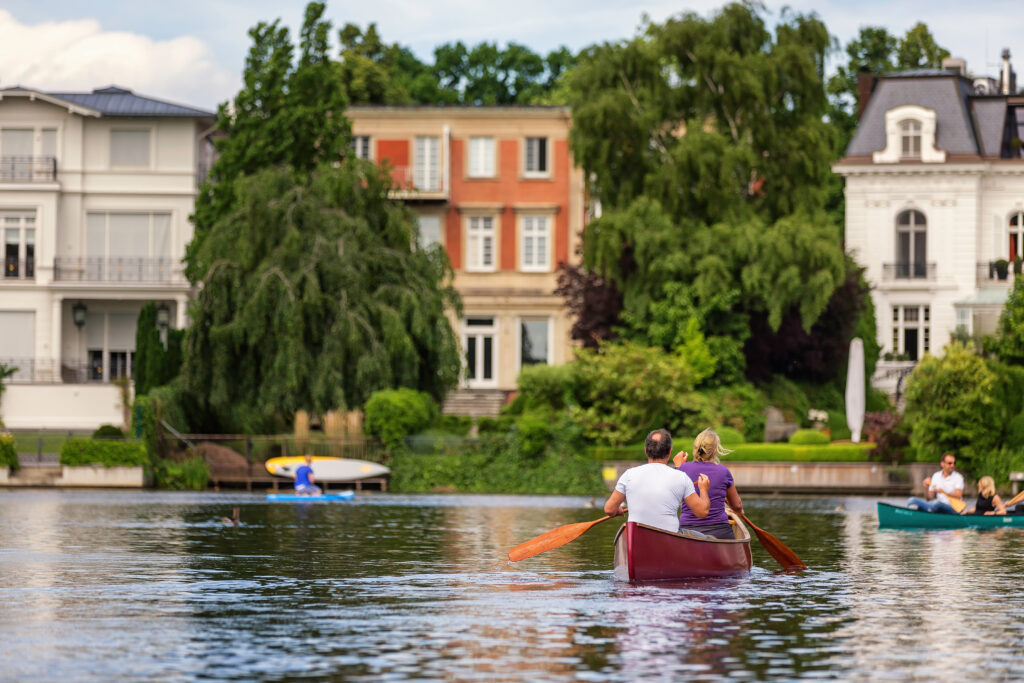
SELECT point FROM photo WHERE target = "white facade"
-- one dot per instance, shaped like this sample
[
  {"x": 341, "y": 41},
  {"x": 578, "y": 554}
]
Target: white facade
[
  {"x": 934, "y": 211},
  {"x": 94, "y": 214}
]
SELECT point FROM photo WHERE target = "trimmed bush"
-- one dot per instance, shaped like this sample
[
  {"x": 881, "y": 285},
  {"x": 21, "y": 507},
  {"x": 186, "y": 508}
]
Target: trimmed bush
[
  {"x": 730, "y": 437},
  {"x": 393, "y": 414},
  {"x": 788, "y": 452},
  {"x": 837, "y": 428},
  {"x": 543, "y": 386},
  {"x": 808, "y": 437},
  {"x": 8, "y": 452},
  {"x": 84, "y": 452},
  {"x": 108, "y": 432}
]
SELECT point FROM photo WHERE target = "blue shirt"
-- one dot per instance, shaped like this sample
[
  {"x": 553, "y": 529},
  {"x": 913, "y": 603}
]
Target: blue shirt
[{"x": 302, "y": 476}]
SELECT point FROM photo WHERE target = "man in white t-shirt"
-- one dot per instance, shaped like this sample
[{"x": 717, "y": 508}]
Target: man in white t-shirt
[
  {"x": 941, "y": 486},
  {"x": 653, "y": 492}
]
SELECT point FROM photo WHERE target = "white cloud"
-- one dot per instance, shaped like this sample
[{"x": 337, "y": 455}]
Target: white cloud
[{"x": 78, "y": 55}]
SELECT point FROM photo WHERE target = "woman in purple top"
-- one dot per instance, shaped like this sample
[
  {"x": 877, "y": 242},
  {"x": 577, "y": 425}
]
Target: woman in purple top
[{"x": 707, "y": 447}]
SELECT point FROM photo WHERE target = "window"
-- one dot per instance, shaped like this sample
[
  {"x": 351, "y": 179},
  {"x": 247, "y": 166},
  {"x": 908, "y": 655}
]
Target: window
[
  {"x": 911, "y": 331},
  {"x": 910, "y": 139},
  {"x": 480, "y": 243},
  {"x": 536, "y": 162},
  {"x": 430, "y": 230},
  {"x": 479, "y": 340},
  {"x": 18, "y": 342},
  {"x": 534, "y": 342},
  {"x": 426, "y": 170},
  {"x": 361, "y": 146},
  {"x": 16, "y": 149},
  {"x": 481, "y": 157},
  {"x": 128, "y": 246},
  {"x": 129, "y": 148},
  {"x": 911, "y": 245},
  {"x": 110, "y": 344},
  {"x": 1016, "y": 235},
  {"x": 19, "y": 234},
  {"x": 535, "y": 244}
]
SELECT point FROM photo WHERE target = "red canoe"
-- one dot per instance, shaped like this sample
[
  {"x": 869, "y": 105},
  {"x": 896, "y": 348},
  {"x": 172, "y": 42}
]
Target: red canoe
[{"x": 645, "y": 553}]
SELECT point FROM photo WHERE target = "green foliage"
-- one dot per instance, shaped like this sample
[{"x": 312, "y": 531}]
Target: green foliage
[
  {"x": 838, "y": 430},
  {"x": 738, "y": 406},
  {"x": 1009, "y": 341},
  {"x": 495, "y": 425},
  {"x": 1015, "y": 432},
  {"x": 756, "y": 452},
  {"x": 730, "y": 437},
  {"x": 8, "y": 451},
  {"x": 951, "y": 406},
  {"x": 533, "y": 433},
  {"x": 154, "y": 364},
  {"x": 625, "y": 388},
  {"x": 5, "y": 372},
  {"x": 191, "y": 474},
  {"x": 551, "y": 386},
  {"x": 997, "y": 463},
  {"x": 788, "y": 397},
  {"x": 457, "y": 425},
  {"x": 315, "y": 294},
  {"x": 394, "y": 414},
  {"x": 808, "y": 437},
  {"x": 108, "y": 432},
  {"x": 481, "y": 470},
  {"x": 79, "y": 452},
  {"x": 170, "y": 403}
]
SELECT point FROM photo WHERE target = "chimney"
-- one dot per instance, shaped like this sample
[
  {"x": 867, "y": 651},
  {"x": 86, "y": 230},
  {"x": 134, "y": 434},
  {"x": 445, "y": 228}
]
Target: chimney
[
  {"x": 955, "y": 65},
  {"x": 865, "y": 86},
  {"x": 1007, "y": 78}
]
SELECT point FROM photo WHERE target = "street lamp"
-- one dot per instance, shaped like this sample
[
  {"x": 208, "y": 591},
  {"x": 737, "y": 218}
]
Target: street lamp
[
  {"x": 78, "y": 314},
  {"x": 163, "y": 317}
]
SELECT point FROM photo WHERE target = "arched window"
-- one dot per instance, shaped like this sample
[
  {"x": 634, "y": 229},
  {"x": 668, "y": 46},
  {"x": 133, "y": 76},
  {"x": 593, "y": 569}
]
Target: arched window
[
  {"x": 910, "y": 138},
  {"x": 911, "y": 244},
  {"x": 1016, "y": 235}
]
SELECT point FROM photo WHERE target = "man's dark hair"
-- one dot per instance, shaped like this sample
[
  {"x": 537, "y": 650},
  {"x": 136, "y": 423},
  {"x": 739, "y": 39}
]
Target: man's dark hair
[{"x": 658, "y": 444}]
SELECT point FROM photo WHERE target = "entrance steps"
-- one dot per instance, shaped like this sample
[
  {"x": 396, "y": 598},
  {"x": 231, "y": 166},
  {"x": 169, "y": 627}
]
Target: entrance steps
[{"x": 474, "y": 402}]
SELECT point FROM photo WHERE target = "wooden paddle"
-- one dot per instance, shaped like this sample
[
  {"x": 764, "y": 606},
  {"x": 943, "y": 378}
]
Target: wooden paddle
[
  {"x": 1016, "y": 499},
  {"x": 776, "y": 548},
  {"x": 555, "y": 538}
]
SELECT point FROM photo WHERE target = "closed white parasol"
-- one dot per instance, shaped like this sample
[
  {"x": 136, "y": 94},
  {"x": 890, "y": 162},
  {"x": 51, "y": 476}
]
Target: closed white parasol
[{"x": 855, "y": 389}]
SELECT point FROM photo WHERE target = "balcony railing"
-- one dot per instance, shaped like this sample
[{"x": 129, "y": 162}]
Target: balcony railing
[
  {"x": 19, "y": 169},
  {"x": 404, "y": 179},
  {"x": 989, "y": 271},
  {"x": 46, "y": 370},
  {"x": 100, "y": 269},
  {"x": 908, "y": 271},
  {"x": 19, "y": 269}
]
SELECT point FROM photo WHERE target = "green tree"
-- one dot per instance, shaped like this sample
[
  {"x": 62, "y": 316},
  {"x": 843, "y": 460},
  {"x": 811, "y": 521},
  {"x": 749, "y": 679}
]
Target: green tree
[
  {"x": 156, "y": 364},
  {"x": 314, "y": 294},
  {"x": 1009, "y": 342},
  {"x": 492, "y": 75}
]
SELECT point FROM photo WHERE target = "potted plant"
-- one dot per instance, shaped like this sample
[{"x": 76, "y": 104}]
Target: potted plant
[{"x": 1002, "y": 268}]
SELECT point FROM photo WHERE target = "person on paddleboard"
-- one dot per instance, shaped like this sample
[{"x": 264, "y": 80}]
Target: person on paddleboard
[
  {"x": 940, "y": 487},
  {"x": 304, "y": 479},
  {"x": 653, "y": 492},
  {"x": 707, "y": 448}
]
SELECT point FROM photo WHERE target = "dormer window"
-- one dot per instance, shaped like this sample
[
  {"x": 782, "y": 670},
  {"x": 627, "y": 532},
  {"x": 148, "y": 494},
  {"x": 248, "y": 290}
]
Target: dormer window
[{"x": 910, "y": 138}]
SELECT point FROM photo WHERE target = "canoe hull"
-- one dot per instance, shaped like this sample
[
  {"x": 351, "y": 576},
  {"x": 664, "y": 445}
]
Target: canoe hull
[
  {"x": 645, "y": 553},
  {"x": 327, "y": 469},
  {"x": 897, "y": 517},
  {"x": 325, "y": 498}
]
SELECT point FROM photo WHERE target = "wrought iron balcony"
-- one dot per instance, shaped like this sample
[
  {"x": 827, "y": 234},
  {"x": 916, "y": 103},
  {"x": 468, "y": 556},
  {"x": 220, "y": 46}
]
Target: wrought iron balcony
[
  {"x": 908, "y": 271},
  {"x": 46, "y": 370},
  {"x": 994, "y": 271},
  {"x": 102, "y": 269},
  {"x": 23, "y": 169}
]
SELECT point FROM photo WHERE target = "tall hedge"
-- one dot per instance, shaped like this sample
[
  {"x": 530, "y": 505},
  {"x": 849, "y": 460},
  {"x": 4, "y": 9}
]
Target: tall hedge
[
  {"x": 155, "y": 365},
  {"x": 78, "y": 452}
]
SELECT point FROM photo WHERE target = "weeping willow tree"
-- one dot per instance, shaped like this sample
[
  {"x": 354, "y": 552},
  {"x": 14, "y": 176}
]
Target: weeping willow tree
[{"x": 314, "y": 292}]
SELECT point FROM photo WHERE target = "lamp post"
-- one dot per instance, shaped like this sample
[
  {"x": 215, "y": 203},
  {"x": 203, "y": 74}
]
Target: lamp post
[
  {"x": 163, "y": 320},
  {"x": 78, "y": 314}
]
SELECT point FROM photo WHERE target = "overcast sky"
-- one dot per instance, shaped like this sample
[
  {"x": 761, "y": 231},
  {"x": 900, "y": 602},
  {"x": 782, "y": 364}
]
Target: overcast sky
[{"x": 192, "y": 51}]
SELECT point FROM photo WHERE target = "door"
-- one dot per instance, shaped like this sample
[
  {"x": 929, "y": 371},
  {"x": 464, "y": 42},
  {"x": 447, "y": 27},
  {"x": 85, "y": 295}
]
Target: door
[{"x": 479, "y": 340}]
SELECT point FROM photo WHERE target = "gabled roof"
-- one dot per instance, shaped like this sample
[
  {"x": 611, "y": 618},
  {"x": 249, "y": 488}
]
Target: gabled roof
[
  {"x": 114, "y": 101},
  {"x": 110, "y": 101}
]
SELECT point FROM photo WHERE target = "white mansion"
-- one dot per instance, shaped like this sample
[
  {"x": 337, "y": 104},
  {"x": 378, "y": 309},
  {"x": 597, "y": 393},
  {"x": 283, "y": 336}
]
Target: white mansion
[
  {"x": 935, "y": 203},
  {"x": 96, "y": 190}
]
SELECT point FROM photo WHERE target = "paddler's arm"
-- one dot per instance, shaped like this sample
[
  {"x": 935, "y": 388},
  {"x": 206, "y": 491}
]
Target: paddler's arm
[
  {"x": 698, "y": 502},
  {"x": 733, "y": 497},
  {"x": 998, "y": 503},
  {"x": 613, "y": 506}
]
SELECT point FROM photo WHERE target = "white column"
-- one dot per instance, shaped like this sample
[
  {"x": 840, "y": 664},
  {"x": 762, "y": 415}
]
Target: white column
[
  {"x": 56, "y": 340},
  {"x": 181, "y": 311}
]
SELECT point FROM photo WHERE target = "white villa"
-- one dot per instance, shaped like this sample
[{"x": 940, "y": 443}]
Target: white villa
[
  {"x": 96, "y": 190},
  {"x": 935, "y": 204}
]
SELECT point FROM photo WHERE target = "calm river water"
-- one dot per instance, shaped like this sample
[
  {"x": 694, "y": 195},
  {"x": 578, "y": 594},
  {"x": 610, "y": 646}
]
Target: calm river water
[{"x": 153, "y": 586}]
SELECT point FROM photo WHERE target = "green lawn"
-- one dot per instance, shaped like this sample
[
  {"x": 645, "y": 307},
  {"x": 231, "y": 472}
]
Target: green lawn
[{"x": 28, "y": 443}]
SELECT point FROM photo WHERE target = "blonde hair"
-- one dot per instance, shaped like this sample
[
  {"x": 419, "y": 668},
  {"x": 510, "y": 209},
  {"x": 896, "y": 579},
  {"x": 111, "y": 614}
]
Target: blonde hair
[
  {"x": 988, "y": 486},
  {"x": 707, "y": 447}
]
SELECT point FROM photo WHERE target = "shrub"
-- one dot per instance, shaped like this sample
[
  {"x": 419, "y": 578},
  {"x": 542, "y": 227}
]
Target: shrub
[
  {"x": 788, "y": 452},
  {"x": 550, "y": 386},
  {"x": 192, "y": 474},
  {"x": 533, "y": 434},
  {"x": 494, "y": 425},
  {"x": 730, "y": 437},
  {"x": 108, "y": 432},
  {"x": 456, "y": 425},
  {"x": 788, "y": 397},
  {"x": 837, "y": 428},
  {"x": 393, "y": 414},
  {"x": 1015, "y": 432},
  {"x": 169, "y": 403},
  {"x": 8, "y": 452},
  {"x": 106, "y": 453},
  {"x": 737, "y": 406},
  {"x": 808, "y": 437},
  {"x": 890, "y": 434}
]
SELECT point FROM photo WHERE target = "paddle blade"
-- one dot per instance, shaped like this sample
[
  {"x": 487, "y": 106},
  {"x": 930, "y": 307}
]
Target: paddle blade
[
  {"x": 555, "y": 538},
  {"x": 957, "y": 504},
  {"x": 776, "y": 548}
]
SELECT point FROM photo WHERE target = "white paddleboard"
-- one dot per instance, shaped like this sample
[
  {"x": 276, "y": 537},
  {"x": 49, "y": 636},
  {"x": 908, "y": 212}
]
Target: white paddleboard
[{"x": 328, "y": 469}]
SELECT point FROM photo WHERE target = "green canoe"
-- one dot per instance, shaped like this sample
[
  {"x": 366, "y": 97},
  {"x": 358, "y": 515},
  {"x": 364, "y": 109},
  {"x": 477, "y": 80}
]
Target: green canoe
[{"x": 898, "y": 517}]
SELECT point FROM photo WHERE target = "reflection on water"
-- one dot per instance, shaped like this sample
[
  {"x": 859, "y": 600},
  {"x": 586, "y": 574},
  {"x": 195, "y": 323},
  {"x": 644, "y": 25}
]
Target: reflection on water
[{"x": 152, "y": 586}]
